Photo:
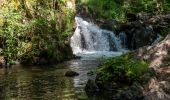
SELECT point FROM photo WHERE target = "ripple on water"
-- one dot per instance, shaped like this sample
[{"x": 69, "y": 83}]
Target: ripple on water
[{"x": 29, "y": 83}]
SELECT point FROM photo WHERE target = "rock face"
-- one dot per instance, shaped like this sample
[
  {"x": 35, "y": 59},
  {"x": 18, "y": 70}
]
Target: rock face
[
  {"x": 158, "y": 54},
  {"x": 138, "y": 34},
  {"x": 155, "y": 83},
  {"x": 111, "y": 25},
  {"x": 157, "y": 90},
  {"x": 141, "y": 30}
]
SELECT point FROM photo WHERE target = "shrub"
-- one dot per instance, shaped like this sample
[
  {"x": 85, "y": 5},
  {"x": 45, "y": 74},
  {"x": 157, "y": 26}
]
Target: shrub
[
  {"x": 33, "y": 27},
  {"x": 117, "y": 9},
  {"x": 122, "y": 69}
]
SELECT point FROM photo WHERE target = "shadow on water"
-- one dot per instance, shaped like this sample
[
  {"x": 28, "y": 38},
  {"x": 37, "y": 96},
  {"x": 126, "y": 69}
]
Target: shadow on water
[{"x": 46, "y": 83}]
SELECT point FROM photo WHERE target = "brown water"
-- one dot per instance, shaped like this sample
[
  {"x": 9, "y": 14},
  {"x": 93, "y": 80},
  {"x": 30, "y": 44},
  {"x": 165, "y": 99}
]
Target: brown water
[{"x": 48, "y": 82}]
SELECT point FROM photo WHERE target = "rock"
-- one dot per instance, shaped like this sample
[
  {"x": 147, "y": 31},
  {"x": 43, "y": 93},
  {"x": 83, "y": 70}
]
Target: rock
[
  {"x": 165, "y": 86},
  {"x": 71, "y": 74},
  {"x": 133, "y": 92},
  {"x": 111, "y": 25},
  {"x": 157, "y": 54},
  {"x": 148, "y": 75},
  {"x": 76, "y": 57},
  {"x": 144, "y": 29},
  {"x": 90, "y": 73},
  {"x": 3, "y": 61},
  {"x": 131, "y": 17},
  {"x": 156, "y": 95},
  {"x": 157, "y": 90},
  {"x": 155, "y": 83},
  {"x": 91, "y": 86},
  {"x": 138, "y": 34}
]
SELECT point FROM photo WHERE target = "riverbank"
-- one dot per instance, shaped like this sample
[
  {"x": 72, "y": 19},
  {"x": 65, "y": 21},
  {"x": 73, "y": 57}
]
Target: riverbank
[{"x": 139, "y": 80}]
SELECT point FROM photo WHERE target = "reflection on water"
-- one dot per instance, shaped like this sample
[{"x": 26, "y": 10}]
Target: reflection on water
[{"x": 46, "y": 83}]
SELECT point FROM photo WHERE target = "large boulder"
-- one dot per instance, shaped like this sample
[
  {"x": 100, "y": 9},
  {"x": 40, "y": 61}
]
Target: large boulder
[
  {"x": 138, "y": 34},
  {"x": 91, "y": 86},
  {"x": 143, "y": 29},
  {"x": 158, "y": 55},
  {"x": 154, "y": 84},
  {"x": 157, "y": 90},
  {"x": 111, "y": 25}
]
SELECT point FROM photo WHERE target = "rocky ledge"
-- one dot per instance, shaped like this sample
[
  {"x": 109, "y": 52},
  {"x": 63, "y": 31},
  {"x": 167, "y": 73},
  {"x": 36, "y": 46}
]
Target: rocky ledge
[{"x": 155, "y": 83}]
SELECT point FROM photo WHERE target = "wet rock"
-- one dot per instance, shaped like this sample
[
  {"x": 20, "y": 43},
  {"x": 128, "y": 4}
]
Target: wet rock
[
  {"x": 133, "y": 92},
  {"x": 71, "y": 74},
  {"x": 90, "y": 73},
  {"x": 167, "y": 17},
  {"x": 76, "y": 57},
  {"x": 144, "y": 29},
  {"x": 138, "y": 34},
  {"x": 131, "y": 17},
  {"x": 91, "y": 86},
  {"x": 111, "y": 25}
]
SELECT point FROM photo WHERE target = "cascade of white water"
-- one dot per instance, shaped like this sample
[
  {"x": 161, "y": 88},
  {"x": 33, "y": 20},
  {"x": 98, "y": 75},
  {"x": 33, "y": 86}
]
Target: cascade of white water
[{"x": 90, "y": 38}]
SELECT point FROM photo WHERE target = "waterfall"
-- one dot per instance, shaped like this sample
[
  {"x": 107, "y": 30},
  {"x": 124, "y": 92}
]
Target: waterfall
[
  {"x": 123, "y": 38},
  {"x": 88, "y": 37}
]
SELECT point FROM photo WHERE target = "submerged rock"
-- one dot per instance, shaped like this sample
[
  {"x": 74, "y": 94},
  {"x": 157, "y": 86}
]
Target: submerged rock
[{"x": 71, "y": 74}]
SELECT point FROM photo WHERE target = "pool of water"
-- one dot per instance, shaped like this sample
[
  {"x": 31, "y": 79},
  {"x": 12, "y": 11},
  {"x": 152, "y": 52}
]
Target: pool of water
[{"x": 48, "y": 82}]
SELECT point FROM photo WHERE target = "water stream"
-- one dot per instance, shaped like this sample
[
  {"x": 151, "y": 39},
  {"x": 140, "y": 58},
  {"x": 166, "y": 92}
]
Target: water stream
[{"x": 49, "y": 82}]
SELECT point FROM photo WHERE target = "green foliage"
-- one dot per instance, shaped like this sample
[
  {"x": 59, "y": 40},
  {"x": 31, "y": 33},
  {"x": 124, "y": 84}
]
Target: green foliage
[
  {"x": 105, "y": 9},
  {"x": 117, "y": 9},
  {"x": 165, "y": 31},
  {"x": 141, "y": 6},
  {"x": 123, "y": 68},
  {"x": 47, "y": 29}
]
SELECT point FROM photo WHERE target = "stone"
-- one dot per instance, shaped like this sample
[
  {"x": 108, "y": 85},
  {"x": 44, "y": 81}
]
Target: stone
[
  {"x": 91, "y": 86},
  {"x": 71, "y": 74},
  {"x": 111, "y": 25},
  {"x": 3, "y": 61},
  {"x": 157, "y": 54},
  {"x": 138, "y": 34}
]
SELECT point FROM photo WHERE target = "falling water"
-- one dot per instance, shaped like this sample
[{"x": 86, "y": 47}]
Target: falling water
[{"x": 89, "y": 38}]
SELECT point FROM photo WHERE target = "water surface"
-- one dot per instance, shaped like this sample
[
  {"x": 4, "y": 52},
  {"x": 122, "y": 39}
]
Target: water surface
[
  {"x": 45, "y": 83},
  {"x": 49, "y": 82}
]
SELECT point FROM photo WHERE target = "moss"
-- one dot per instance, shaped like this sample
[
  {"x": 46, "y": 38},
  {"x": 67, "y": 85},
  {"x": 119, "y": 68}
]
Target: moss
[{"x": 122, "y": 69}]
